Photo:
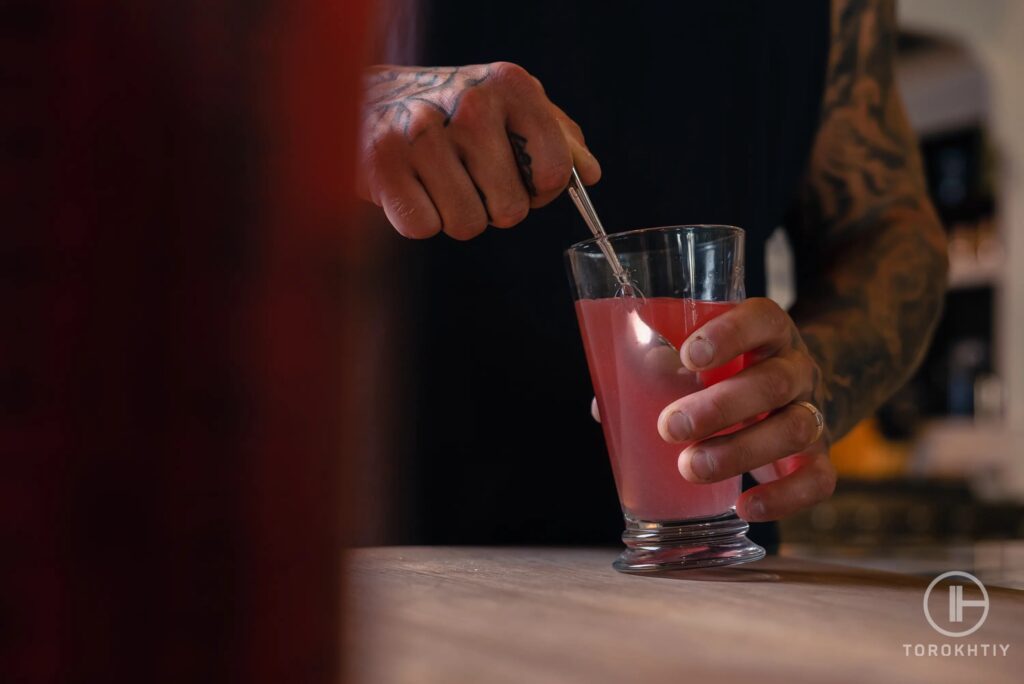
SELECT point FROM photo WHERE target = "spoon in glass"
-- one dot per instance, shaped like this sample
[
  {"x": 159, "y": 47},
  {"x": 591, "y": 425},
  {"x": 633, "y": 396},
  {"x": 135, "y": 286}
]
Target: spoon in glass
[{"x": 646, "y": 335}]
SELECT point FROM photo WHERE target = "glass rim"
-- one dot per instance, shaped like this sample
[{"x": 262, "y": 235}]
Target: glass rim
[{"x": 725, "y": 229}]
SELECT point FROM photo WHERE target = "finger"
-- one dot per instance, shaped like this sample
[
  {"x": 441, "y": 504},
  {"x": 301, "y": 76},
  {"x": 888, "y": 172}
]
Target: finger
[
  {"x": 813, "y": 480},
  {"x": 586, "y": 163},
  {"x": 785, "y": 432},
  {"x": 595, "y": 412},
  {"x": 408, "y": 207},
  {"x": 540, "y": 149},
  {"x": 774, "y": 470},
  {"x": 492, "y": 167},
  {"x": 763, "y": 387},
  {"x": 756, "y": 324},
  {"x": 393, "y": 185},
  {"x": 446, "y": 180}
]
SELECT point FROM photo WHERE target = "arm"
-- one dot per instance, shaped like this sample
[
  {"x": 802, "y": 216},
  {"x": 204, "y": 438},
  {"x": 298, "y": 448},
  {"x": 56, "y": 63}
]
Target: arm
[
  {"x": 871, "y": 249},
  {"x": 871, "y": 277}
]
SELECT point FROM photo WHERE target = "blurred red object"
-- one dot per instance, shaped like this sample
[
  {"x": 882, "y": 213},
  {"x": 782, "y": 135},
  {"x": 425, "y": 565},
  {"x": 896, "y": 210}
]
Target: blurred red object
[{"x": 172, "y": 181}]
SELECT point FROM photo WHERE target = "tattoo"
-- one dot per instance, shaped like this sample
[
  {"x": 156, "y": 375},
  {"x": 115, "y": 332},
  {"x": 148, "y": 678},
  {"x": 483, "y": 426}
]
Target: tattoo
[
  {"x": 395, "y": 92},
  {"x": 523, "y": 161},
  {"x": 871, "y": 251}
]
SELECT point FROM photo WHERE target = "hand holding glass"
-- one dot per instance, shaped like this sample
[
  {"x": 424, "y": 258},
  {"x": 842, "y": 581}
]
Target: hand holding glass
[{"x": 687, "y": 275}]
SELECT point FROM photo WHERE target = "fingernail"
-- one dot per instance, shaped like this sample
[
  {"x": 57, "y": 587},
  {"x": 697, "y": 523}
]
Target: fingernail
[
  {"x": 700, "y": 352},
  {"x": 755, "y": 507},
  {"x": 679, "y": 426},
  {"x": 701, "y": 464}
]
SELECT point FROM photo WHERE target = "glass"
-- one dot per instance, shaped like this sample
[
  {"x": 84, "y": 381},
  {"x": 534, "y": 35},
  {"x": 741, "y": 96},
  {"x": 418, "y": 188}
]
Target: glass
[{"x": 686, "y": 275}]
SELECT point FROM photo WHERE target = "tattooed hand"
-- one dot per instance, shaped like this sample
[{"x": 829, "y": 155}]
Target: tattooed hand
[{"x": 455, "y": 148}]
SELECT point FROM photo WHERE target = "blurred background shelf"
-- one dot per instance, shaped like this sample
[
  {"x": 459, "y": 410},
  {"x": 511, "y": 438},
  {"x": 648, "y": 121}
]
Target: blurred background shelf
[
  {"x": 965, "y": 274},
  {"x": 916, "y": 525}
]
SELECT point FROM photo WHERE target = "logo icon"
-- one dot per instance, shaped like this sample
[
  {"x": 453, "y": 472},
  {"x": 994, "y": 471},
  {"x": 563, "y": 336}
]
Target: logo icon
[{"x": 957, "y": 603}]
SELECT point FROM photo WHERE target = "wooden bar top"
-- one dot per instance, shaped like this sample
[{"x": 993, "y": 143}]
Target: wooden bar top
[{"x": 539, "y": 615}]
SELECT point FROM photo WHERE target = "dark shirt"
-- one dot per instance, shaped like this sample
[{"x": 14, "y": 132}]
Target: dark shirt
[{"x": 700, "y": 112}]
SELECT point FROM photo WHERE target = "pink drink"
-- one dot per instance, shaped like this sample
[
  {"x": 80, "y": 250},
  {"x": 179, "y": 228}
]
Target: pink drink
[{"x": 632, "y": 388}]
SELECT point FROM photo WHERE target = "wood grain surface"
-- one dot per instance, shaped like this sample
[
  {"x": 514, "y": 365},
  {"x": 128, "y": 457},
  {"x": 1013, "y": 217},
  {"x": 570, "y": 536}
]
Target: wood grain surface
[{"x": 539, "y": 615}]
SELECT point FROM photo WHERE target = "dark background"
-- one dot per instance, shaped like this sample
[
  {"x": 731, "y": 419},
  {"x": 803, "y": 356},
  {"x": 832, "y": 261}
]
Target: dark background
[{"x": 698, "y": 112}]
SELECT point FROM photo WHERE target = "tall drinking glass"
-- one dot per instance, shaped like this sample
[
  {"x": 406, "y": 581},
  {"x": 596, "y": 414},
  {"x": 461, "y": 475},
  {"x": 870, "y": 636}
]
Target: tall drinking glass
[{"x": 680, "y": 278}]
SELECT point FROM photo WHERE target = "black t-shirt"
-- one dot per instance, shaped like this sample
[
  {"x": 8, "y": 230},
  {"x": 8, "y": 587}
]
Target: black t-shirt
[{"x": 700, "y": 112}]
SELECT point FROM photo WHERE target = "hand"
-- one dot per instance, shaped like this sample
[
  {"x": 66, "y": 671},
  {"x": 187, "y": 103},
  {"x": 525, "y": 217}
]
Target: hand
[
  {"x": 782, "y": 372},
  {"x": 456, "y": 148}
]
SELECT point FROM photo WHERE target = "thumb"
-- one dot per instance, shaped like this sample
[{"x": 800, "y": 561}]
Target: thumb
[{"x": 587, "y": 166}]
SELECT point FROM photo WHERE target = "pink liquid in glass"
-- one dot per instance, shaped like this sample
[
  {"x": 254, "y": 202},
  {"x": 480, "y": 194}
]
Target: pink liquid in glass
[{"x": 633, "y": 386}]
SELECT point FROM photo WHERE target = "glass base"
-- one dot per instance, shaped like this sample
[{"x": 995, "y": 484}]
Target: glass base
[{"x": 683, "y": 545}]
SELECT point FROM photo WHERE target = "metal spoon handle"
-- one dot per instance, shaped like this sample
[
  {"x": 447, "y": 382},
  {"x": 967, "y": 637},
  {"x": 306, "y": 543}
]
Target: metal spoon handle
[{"x": 582, "y": 201}]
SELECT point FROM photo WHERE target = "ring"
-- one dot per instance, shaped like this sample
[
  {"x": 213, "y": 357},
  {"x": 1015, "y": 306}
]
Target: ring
[{"x": 819, "y": 418}]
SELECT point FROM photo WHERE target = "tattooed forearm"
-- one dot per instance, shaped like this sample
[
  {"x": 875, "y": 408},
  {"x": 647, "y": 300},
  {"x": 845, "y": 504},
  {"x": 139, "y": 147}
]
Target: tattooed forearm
[
  {"x": 394, "y": 92},
  {"x": 872, "y": 253},
  {"x": 523, "y": 161}
]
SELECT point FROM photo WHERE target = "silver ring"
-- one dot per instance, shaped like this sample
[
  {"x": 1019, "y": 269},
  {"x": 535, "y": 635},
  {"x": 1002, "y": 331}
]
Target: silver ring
[{"x": 819, "y": 418}]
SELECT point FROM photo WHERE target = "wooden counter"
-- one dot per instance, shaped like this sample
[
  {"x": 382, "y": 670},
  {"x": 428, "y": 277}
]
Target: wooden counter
[{"x": 533, "y": 616}]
